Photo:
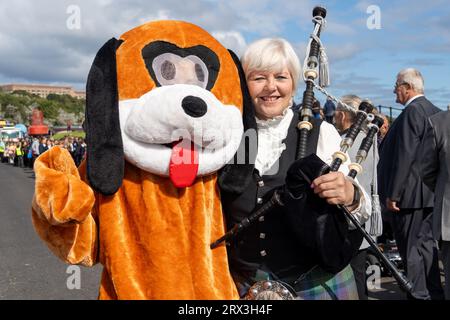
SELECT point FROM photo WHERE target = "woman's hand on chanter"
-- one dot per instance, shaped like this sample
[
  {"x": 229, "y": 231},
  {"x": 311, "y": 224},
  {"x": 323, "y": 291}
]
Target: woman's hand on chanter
[{"x": 334, "y": 188}]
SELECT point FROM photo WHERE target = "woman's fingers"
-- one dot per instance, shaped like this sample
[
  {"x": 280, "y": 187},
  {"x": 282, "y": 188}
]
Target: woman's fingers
[{"x": 334, "y": 188}]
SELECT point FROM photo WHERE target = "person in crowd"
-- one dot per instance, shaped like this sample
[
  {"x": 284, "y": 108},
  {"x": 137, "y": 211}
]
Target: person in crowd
[
  {"x": 19, "y": 155},
  {"x": 35, "y": 150},
  {"x": 2, "y": 149},
  {"x": 43, "y": 146},
  {"x": 25, "y": 149},
  {"x": 383, "y": 129},
  {"x": 65, "y": 144},
  {"x": 401, "y": 188},
  {"x": 6, "y": 152},
  {"x": 317, "y": 109},
  {"x": 329, "y": 108},
  {"x": 50, "y": 143},
  {"x": 345, "y": 117},
  {"x": 80, "y": 151},
  {"x": 434, "y": 160},
  {"x": 11, "y": 152},
  {"x": 73, "y": 147},
  {"x": 269, "y": 249}
]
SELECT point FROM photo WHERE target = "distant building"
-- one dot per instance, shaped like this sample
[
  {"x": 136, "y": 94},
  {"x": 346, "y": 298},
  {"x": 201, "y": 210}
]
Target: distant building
[{"x": 43, "y": 90}]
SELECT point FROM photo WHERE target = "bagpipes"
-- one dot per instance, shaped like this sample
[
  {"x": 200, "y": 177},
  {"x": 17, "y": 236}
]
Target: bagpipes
[
  {"x": 311, "y": 66},
  {"x": 306, "y": 169}
]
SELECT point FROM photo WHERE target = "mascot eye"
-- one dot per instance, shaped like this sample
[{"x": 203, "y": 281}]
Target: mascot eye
[
  {"x": 168, "y": 70},
  {"x": 199, "y": 72}
]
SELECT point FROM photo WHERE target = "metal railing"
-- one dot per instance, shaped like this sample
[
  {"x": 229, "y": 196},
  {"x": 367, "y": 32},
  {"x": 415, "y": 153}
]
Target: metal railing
[{"x": 391, "y": 112}]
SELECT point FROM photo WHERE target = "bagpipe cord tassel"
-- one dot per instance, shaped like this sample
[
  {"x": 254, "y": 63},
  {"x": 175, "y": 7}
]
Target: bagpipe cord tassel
[{"x": 376, "y": 220}]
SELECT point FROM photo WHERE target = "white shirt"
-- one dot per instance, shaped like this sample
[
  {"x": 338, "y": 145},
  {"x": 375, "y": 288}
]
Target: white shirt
[
  {"x": 272, "y": 132},
  {"x": 412, "y": 99}
]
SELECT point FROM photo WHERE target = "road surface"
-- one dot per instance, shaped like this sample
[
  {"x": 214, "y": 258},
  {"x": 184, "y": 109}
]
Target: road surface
[{"x": 28, "y": 270}]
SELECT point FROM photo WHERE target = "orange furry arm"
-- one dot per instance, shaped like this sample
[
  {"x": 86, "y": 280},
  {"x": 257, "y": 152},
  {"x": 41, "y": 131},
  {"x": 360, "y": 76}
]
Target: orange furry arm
[{"x": 62, "y": 208}]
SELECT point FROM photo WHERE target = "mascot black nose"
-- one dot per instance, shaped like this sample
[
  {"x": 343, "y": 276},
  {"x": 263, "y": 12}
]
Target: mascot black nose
[{"x": 194, "y": 106}]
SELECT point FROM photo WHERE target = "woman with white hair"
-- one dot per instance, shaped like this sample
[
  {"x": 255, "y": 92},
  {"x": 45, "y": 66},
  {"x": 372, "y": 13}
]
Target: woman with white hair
[{"x": 268, "y": 250}]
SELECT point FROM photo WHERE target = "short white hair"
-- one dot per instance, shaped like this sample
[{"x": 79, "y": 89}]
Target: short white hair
[
  {"x": 272, "y": 54},
  {"x": 413, "y": 78}
]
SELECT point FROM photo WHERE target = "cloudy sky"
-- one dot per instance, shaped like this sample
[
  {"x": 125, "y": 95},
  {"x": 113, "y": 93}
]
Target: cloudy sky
[{"x": 55, "y": 41}]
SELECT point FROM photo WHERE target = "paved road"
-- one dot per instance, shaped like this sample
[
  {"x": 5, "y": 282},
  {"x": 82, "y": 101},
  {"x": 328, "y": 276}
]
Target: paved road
[
  {"x": 388, "y": 290},
  {"x": 28, "y": 270}
]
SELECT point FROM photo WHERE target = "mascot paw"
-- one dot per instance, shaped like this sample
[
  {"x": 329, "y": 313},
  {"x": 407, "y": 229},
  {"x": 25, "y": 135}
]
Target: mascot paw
[{"x": 61, "y": 196}]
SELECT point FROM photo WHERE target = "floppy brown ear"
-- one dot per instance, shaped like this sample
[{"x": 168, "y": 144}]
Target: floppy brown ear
[
  {"x": 235, "y": 177},
  {"x": 105, "y": 157}
]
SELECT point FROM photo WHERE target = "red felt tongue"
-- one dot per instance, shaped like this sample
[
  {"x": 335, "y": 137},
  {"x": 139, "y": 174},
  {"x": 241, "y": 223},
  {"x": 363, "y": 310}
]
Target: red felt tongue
[{"x": 183, "y": 164}]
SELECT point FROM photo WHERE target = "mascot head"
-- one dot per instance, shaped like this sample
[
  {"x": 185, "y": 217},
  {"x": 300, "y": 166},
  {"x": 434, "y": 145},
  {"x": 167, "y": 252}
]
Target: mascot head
[{"x": 168, "y": 98}]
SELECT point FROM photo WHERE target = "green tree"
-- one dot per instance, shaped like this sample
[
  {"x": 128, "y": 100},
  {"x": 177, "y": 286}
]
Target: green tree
[{"x": 21, "y": 102}]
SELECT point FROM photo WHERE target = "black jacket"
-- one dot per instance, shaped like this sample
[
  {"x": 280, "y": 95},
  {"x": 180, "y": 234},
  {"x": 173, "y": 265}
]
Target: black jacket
[
  {"x": 292, "y": 239},
  {"x": 435, "y": 170},
  {"x": 398, "y": 169}
]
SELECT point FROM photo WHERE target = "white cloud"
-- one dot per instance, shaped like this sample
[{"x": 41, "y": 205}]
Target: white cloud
[
  {"x": 231, "y": 40},
  {"x": 161, "y": 15}
]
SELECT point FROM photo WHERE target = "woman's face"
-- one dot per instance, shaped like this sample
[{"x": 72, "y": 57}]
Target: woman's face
[
  {"x": 384, "y": 128},
  {"x": 271, "y": 92}
]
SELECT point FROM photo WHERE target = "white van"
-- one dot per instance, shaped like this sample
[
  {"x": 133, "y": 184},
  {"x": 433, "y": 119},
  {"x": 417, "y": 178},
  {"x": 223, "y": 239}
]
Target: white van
[{"x": 11, "y": 133}]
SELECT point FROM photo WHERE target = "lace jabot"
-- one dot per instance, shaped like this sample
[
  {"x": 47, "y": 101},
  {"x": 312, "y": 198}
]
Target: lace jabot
[{"x": 271, "y": 133}]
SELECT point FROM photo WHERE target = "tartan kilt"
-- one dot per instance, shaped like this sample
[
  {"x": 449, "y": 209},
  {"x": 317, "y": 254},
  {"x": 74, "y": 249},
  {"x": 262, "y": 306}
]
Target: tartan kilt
[{"x": 321, "y": 285}]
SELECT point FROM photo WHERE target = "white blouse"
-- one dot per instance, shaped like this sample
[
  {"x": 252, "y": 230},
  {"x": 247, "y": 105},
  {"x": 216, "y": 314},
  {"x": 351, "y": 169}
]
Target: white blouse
[{"x": 272, "y": 132}]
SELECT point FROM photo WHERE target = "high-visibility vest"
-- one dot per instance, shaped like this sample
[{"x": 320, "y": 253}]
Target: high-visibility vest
[{"x": 19, "y": 151}]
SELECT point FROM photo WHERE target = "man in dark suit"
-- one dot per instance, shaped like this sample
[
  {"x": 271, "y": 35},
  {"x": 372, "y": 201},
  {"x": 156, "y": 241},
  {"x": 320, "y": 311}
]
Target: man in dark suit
[
  {"x": 435, "y": 172},
  {"x": 401, "y": 188}
]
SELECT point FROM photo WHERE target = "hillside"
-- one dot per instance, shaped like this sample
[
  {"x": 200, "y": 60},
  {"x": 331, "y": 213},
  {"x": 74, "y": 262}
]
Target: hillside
[{"x": 58, "y": 109}]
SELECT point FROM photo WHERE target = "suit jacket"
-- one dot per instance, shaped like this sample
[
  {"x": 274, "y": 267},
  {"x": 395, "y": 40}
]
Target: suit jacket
[
  {"x": 398, "y": 169},
  {"x": 435, "y": 170}
]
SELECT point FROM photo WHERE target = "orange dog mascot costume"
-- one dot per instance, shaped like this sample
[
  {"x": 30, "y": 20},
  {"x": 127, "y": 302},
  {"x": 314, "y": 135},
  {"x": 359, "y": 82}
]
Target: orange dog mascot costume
[{"x": 165, "y": 92}]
